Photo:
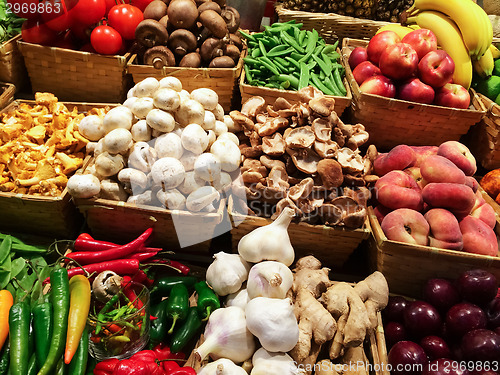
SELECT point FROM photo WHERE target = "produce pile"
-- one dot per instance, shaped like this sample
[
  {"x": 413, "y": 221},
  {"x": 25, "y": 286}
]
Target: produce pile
[
  {"x": 467, "y": 307},
  {"x": 10, "y": 24},
  {"x": 303, "y": 156},
  {"x": 488, "y": 81},
  {"x": 40, "y": 146},
  {"x": 164, "y": 146},
  {"x": 285, "y": 57},
  {"x": 427, "y": 196}
]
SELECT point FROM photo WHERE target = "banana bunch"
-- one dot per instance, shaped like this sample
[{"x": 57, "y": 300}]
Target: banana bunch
[{"x": 463, "y": 30}]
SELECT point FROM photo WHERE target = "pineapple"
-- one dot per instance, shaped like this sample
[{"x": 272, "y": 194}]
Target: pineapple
[
  {"x": 317, "y": 6},
  {"x": 352, "y": 8},
  {"x": 389, "y": 10}
]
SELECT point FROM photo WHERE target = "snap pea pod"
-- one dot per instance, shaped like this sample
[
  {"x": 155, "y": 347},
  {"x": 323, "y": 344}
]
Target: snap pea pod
[
  {"x": 338, "y": 82},
  {"x": 304, "y": 76},
  {"x": 317, "y": 82}
]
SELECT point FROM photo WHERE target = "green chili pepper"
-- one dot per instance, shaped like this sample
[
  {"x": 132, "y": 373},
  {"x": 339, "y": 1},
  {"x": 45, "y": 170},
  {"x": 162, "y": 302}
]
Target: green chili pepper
[
  {"x": 207, "y": 299},
  {"x": 78, "y": 364},
  {"x": 158, "y": 330},
  {"x": 32, "y": 368},
  {"x": 177, "y": 305},
  {"x": 5, "y": 359},
  {"x": 338, "y": 82},
  {"x": 91, "y": 366},
  {"x": 163, "y": 286},
  {"x": 19, "y": 328},
  {"x": 187, "y": 331},
  {"x": 290, "y": 41},
  {"x": 61, "y": 367},
  {"x": 59, "y": 296},
  {"x": 304, "y": 76},
  {"x": 319, "y": 85},
  {"x": 42, "y": 327}
]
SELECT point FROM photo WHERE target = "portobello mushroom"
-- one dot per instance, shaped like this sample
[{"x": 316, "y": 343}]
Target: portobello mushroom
[
  {"x": 155, "y": 10},
  {"x": 182, "y": 14},
  {"x": 182, "y": 41},
  {"x": 214, "y": 22},
  {"x": 159, "y": 56},
  {"x": 151, "y": 33}
]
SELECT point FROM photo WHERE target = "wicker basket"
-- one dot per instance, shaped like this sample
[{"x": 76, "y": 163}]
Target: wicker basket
[
  {"x": 223, "y": 81},
  {"x": 332, "y": 26},
  {"x": 12, "y": 68},
  {"x": 332, "y": 245},
  {"x": 76, "y": 75},
  {"x": 407, "y": 267},
  {"x": 392, "y": 122},
  {"x": 484, "y": 138},
  {"x": 7, "y": 92}
]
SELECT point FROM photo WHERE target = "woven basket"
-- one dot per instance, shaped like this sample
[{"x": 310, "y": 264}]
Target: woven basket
[
  {"x": 12, "y": 68},
  {"x": 332, "y": 26},
  {"x": 7, "y": 92},
  {"x": 392, "y": 122},
  {"x": 223, "y": 81},
  {"x": 484, "y": 138},
  {"x": 407, "y": 267},
  {"x": 331, "y": 245},
  {"x": 76, "y": 75}
]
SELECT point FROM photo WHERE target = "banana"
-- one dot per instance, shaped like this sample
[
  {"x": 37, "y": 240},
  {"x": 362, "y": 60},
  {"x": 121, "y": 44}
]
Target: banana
[
  {"x": 398, "y": 29},
  {"x": 413, "y": 27},
  {"x": 486, "y": 31},
  {"x": 465, "y": 14},
  {"x": 450, "y": 39},
  {"x": 494, "y": 51},
  {"x": 485, "y": 65}
]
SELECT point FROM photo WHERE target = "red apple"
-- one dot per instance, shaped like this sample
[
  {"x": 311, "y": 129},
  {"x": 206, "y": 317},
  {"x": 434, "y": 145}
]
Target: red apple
[
  {"x": 415, "y": 90},
  {"x": 436, "y": 68},
  {"x": 379, "y": 42},
  {"x": 398, "y": 61},
  {"x": 422, "y": 40},
  {"x": 365, "y": 70},
  {"x": 452, "y": 95},
  {"x": 379, "y": 85},
  {"x": 358, "y": 55}
]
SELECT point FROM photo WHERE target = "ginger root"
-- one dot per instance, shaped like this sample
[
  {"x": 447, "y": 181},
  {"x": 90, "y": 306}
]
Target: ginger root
[
  {"x": 374, "y": 292},
  {"x": 355, "y": 361},
  {"x": 327, "y": 367}
]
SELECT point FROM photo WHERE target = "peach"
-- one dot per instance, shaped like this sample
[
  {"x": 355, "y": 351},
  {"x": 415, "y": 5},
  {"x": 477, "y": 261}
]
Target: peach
[
  {"x": 457, "y": 198},
  {"x": 421, "y": 152},
  {"x": 436, "y": 168},
  {"x": 491, "y": 183},
  {"x": 397, "y": 189},
  {"x": 478, "y": 237},
  {"x": 415, "y": 173},
  {"x": 380, "y": 212},
  {"x": 484, "y": 212},
  {"x": 460, "y": 155},
  {"x": 399, "y": 158},
  {"x": 444, "y": 229},
  {"x": 405, "y": 225},
  {"x": 472, "y": 183}
]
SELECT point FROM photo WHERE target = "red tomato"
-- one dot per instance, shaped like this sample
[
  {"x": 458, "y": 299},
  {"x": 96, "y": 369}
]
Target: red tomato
[
  {"x": 124, "y": 18},
  {"x": 55, "y": 15},
  {"x": 24, "y": 8},
  {"x": 106, "y": 40},
  {"x": 109, "y": 4},
  {"x": 141, "y": 4},
  {"x": 88, "y": 12},
  {"x": 34, "y": 31}
]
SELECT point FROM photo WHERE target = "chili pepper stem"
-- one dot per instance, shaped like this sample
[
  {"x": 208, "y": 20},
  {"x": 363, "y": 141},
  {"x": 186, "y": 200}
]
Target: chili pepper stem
[
  {"x": 209, "y": 311},
  {"x": 175, "y": 317}
]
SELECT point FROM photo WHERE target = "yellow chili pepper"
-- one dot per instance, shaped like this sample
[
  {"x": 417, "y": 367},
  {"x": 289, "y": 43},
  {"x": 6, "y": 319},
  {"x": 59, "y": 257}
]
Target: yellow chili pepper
[
  {"x": 79, "y": 288},
  {"x": 6, "y": 302}
]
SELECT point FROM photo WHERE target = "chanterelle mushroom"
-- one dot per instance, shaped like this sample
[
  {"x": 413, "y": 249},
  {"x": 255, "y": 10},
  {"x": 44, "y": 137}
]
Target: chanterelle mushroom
[{"x": 350, "y": 161}]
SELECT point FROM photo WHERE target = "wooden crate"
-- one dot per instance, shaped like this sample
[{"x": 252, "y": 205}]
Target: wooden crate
[
  {"x": 12, "y": 68},
  {"x": 407, "y": 267},
  {"x": 331, "y": 245},
  {"x": 392, "y": 122},
  {"x": 223, "y": 81},
  {"x": 7, "y": 92},
  {"x": 76, "y": 75}
]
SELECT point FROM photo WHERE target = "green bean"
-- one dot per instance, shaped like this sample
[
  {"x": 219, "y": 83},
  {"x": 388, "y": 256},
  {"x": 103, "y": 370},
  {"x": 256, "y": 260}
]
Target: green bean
[
  {"x": 325, "y": 68},
  {"x": 294, "y": 82},
  {"x": 292, "y": 42},
  {"x": 319, "y": 85},
  {"x": 293, "y": 62},
  {"x": 255, "y": 52},
  {"x": 302, "y": 36},
  {"x": 251, "y": 61},
  {"x": 330, "y": 83},
  {"x": 248, "y": 75},
  {"x": 312, "y": 41},
  {"x": 269, "y": 65},
  {"x": 338, "y": 82},
  {"x": 247, "y": 36},
  {"x": 262, "y": 48},
  {"x": 296, "y": 56},
  {"x": 286, "y": 51},
  {"x": 304, "y": 76},
  {"x": 283, "y": 62}
]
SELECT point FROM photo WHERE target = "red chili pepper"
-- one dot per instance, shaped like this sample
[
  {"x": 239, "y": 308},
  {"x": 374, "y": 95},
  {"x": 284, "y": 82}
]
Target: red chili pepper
[
  {"x": 143, "y": 256},
  {"x": 130, "y": 294},
  {"x": 142, "y": 278},
  {"x": 89, "y": 257},
  {"x": 172, "y": 368},
  {"x": 163, "y": 352},
  {"x": 107, "y": 366},
  {"x": 90, "y": 244},
  {"x": 182, "y": 268}
]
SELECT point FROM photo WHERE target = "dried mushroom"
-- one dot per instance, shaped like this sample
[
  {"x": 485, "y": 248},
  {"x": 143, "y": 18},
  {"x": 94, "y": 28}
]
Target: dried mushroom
[
  {"x": 353, "y": 215},
  {"x": 322, "y": 130},
  {"x": 242, "y": 120},
  {"x": 330, "y": 214},
  {"x": 252, "y": 171},
  {"x": 322, "y": 105},
  {"x": 330, "y": 172},
  {"x": 273, "y": 146},
  {"x": 301, "y": 190},
  {"x": 308, "y": 93},
  {"x": 249, "y": 151},
  {"x": 272, "y": 125},
  {"x": 278, "y": 178},
  {"x": 306, "y": 160},
  {"x": 282, "y": 204},
  {"x": 301, "y": 137},
  {"x": 326, "y": 149},
  {"x": 350, "y": 161},
  {"x": 281, "y": 104},
  {"x": 271, "y": 163},
  {"x": 253, "y": 106}
]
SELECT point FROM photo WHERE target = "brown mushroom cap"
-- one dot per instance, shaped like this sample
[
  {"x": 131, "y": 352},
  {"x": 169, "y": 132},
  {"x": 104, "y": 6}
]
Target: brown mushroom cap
[
  {"x": 222, "y": 62},
  {"x": 236, "y": 40},
  {"x": 272, "y": 125},
  {"x": 273, "y": 145},
  {"x": 270, "y": 163},
  {"x": 282, "y": 204},
  {"x": 330, "y": 172},
  {"x": 253, "y": 106},
  {"x": 301, "y": 190},
  {"x": 232, "y": 18},
  {"x": 191, "y": 60},
  {"x": 322, "y": 130},
  {"x": 281, "y": 103},
  {"x": 308, "y": 93},
  {"x": 214, "y": 22},
  {"x": 350, "y": 161},
  {"x": 209, "y": 5},
  {"x": 155, "y": 10},
  {"x": 182, "y": 41},
  {"x": 326, "y": 149},
  {"x": 252, "y": 152},
  {"x": 232, "y": 51},
  {"x": 353, "y": 215},
  {"x": 244, "y": 121},
  {"x": 305, "y": 159},
  {"x": 182, "y": 13},
  {"x": 278, "y": 178},
  {"x": 151, "y": 33},
  {"x": 211, "y": 48},
  {"x": 330, "y": 214},
  {"x": 159, "y": 56},
  {"x": 322, "y": 105},
  {"x": 301, "y": 137},
  {"x": 252, "y": 171}
]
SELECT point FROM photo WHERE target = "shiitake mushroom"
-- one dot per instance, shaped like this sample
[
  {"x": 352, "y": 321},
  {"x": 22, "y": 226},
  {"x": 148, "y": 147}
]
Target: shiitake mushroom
[
  {"x": 155, "y": 10},
  {"x": 182, "y": 13}
]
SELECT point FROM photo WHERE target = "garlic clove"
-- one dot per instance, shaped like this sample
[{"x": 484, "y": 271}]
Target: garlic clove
[{"x": 227, "y": 273}]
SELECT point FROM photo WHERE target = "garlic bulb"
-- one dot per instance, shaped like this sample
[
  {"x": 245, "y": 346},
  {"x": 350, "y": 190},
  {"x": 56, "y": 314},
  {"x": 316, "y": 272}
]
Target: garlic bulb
[
  {"x": 269, "y": 279},
  {"x": 270, "y": 242},
  {"x": 222, "y": 366},
  {"x": 266, "y": 363},
  {"x": 273, "y": 322},
  {"x": 227, "y": 273},
  {"x": 240, "y": 298},
  {"x": 227, "y": 335}
]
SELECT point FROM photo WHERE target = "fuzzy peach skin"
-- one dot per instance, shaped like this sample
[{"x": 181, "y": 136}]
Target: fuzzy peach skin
[
  {"x": 457, "y": 198},
  {"x": 399, "y": 158},
  {"x": 397, "y": 189},
  {"x": 380, "y": 212},
  {"x": 444, "y": 229},
  {"x": 422, "y": 152},
  {"x": 478, "y": 237},
  {"x": 437, "y": 168},
  {"x": 405, "y": 225},
  {"x": 460, "y": 155},
  {"x": 415, "y": 173},
  {"x": 472, "y": 183},
  {"x": 484, "y": 211}
]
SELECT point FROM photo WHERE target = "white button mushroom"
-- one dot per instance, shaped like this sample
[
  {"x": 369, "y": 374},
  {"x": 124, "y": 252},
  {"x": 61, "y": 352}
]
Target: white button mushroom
[
  {"x": 191, "y": 183},
  {"x": 160, "y": 120},
  {"x": 208, "y": 98},
  {"x": 232, "y": 126},
  {"x": 130, "y": 93},
  {"x": 143, "y": 198},
  {"x": 202, "y": 198},
  {"x": 83, "y": 185},
  {"x": 211, "y": 138},
  {"x": 219, "y": 113},
  {"x": 187, "y": 159},
  {"x": 117, "y": 141},
  {"x": 167, "y": 99},
  {"x": 207, "y": 167},
  {"x": 91, "y": 127},
  {"x": 171, "y": 199},
  {"x": 130, "y": 102},
  {"x": 141, "y": 131},
  {"x": 118, "y": 117},
  {"x": 146, "y": 87},
  {"x": 133, "y": 179},
  {"x": 169, "y": 145},
  {"x": 109, "y": 165},
  {"x": 142, "y": 106},
  {"x": 220, "y": 128},
  {"x": 208, "y": 121},
  {"x": 112, "y": 190},
  {"x": 142, "y": 157},
  {"x": 184, "y": 95},
  {"x": 230, "y": 137},
  {"x": 168, "y": 172},
  {"x": 190, "y": 112},
  {"x": 227, "y": 153},
  {"x": 223, "y": 183},
  {"x": 171, "y": 83},
  {"x": 194, "y": 138}
]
